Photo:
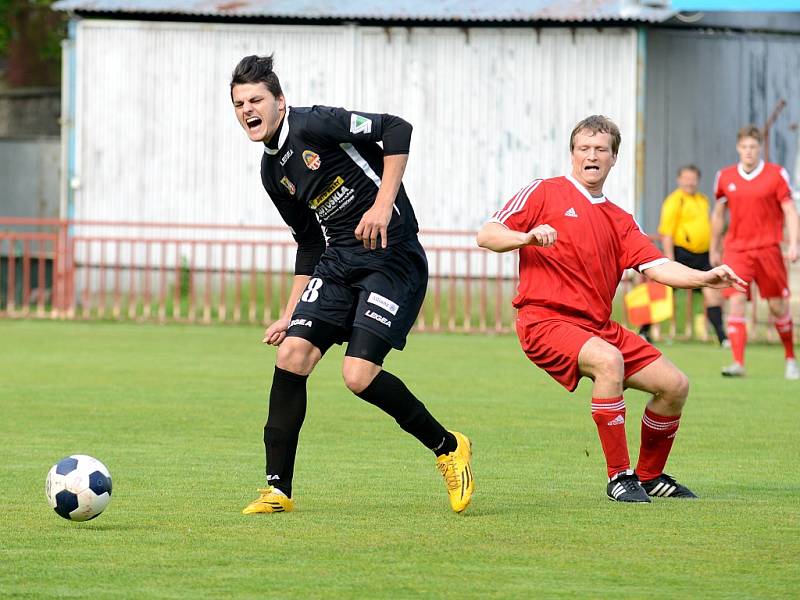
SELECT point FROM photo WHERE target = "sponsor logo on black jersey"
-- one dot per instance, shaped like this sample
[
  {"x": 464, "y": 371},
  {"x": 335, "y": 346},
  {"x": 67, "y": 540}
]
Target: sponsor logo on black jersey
[
  {"x": 286, "y": 156},
  {"x": 312, "y": 160},
  {"x": 334, "y": 197},
  {"x": 359, "y": 124},
  {"x": 288, "y": 185}
]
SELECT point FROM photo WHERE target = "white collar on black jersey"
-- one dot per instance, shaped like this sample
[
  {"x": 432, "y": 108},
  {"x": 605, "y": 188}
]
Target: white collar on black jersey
[
  {"x": 281, "y": 137},
  {"x": 752, "y": 174},
  {"x": 584, "y": 191}
]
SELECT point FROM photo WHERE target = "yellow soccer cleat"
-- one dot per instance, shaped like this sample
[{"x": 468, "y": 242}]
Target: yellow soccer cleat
[
  {"x": 270, "y": 501},
  {"x": 457, "y": 473}
]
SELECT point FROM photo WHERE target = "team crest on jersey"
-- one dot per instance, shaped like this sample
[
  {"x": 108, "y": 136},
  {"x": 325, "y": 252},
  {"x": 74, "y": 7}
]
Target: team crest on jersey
[
  {"x": 288, "y": 185},
  {"x": 731, "y": 187},
  {"x": 359, "y": 124},
  {"x": 311, "y": 159}
]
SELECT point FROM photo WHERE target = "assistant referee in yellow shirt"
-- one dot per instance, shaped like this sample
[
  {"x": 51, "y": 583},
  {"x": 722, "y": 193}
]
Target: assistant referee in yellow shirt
[{"x": 685, "y": 231}]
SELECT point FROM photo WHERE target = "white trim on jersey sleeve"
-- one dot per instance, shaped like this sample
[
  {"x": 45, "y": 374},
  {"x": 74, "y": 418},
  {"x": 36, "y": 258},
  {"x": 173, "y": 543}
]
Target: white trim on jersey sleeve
[
  {"x": 516, "y": 204},
  {"x": 752, "y": 174},
  {"x": 785, "y": 175},
  {"x": 653, "y": 263}
]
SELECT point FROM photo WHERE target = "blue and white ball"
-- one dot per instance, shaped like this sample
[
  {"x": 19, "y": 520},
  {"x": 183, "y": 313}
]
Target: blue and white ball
[{"x": 78, "y": 487}]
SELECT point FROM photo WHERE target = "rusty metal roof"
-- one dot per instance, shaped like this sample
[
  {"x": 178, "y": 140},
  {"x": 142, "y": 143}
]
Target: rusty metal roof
[{"x": 468, "y": 11}]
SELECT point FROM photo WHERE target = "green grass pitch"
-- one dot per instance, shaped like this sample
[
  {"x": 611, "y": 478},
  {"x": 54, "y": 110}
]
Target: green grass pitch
[{"x": 176, "y": 413}]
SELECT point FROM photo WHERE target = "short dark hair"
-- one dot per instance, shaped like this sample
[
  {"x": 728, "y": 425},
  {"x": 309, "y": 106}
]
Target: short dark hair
[
  {"x": 257, "y": 69},
  {"x": 598, "y": 124},
  {"x": 689, "y": 168},
  {"x": 750, "y": 131}
]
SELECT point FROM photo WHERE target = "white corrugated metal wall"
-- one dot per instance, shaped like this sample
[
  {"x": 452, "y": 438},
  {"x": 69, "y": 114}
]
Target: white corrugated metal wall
[{"x": 492, "y": 108}]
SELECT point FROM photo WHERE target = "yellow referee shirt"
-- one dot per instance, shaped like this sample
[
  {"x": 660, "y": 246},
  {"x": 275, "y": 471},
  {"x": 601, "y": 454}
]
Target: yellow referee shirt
[{"x": 685, "y": 219}]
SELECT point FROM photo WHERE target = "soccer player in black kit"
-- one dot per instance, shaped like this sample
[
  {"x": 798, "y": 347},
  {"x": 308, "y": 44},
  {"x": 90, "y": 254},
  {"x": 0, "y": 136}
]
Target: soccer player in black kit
[{"x": 322, "y": 168}]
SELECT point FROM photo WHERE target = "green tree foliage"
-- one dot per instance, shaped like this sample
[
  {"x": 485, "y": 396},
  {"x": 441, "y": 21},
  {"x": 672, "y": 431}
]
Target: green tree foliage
[{"x": 30, "y": 41}]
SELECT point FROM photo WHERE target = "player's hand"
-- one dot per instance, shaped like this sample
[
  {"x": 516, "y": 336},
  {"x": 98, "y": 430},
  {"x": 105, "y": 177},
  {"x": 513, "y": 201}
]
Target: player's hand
[
  {"x": 723, "y": 276},
  {"x": 714, "y": 258},
  {"x": 542, "y": 235},
  {"x": 374, "y": 223},
  {"x": 276, "y": 333},
  {"x": 791, "y": 253}
]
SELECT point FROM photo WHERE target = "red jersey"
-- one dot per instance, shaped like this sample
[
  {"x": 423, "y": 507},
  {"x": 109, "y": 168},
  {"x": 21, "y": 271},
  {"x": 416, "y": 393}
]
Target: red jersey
[
  {"x": 754, "y": 200},
  {"x": 577, "y": 277}
]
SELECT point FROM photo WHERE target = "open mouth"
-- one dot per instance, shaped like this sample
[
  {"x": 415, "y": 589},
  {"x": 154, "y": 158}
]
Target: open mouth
[
  {"x": 253, "y": 122},
  {"x": 591, "y": 168}
]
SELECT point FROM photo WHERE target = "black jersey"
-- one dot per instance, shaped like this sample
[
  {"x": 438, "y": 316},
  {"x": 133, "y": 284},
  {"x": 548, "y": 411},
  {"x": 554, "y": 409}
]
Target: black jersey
[{"x": 323, "y": 167}]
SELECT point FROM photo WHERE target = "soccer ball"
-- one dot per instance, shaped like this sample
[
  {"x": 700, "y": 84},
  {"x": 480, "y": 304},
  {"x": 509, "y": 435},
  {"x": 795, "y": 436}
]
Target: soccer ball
[{"x": 78, "y": 487}]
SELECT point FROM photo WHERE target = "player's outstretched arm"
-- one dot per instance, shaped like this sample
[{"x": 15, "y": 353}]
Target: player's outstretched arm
[
  {"x": 499, "y": 238},
  {"x": 676, "y": 275},
  {"x": 717, "y": 225}
]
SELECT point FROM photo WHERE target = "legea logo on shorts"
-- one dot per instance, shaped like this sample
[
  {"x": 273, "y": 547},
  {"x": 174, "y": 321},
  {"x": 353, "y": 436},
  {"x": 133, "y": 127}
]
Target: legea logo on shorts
[
  {"x": 303, "y": 322},
  {"x": 380, "y": 319},
  {"x": 383, "y": 302}
]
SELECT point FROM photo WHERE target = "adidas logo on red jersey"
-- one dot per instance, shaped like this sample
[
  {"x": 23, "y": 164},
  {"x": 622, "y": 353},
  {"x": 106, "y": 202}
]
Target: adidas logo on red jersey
[{"x": 571, "y": 213}]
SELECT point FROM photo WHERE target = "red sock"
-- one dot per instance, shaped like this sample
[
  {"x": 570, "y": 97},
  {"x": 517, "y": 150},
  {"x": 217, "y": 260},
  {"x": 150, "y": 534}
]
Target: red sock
[
  {"x": 737, "y": 334},
  {"x": 609, "y": 415},
  {"x": 784, "y": 327},
  {"x": 658, "y": 433}
]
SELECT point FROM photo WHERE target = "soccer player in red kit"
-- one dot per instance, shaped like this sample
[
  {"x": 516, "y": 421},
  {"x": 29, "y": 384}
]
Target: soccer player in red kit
[
  {"x": 574, "y": 245},
  {"x": 759, "y": 198}
]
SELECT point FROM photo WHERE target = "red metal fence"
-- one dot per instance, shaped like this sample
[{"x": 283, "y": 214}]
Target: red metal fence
[{"x": 200, "y": 273}]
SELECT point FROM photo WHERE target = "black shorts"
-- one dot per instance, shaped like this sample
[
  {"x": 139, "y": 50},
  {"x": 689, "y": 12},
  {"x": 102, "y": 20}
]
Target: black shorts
[
  {"x": 693, "y": 260},
  {"x": 378, "y": 290}
]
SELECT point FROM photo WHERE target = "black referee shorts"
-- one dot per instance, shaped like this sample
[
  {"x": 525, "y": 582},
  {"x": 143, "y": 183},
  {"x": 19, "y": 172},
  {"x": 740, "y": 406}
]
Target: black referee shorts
[
  {"x": 378, "y": 290},
  {"x": 694, "y": 260}
]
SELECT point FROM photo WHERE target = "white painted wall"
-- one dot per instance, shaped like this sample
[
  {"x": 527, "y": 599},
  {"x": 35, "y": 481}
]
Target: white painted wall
[{"x": 492, "y": 108}]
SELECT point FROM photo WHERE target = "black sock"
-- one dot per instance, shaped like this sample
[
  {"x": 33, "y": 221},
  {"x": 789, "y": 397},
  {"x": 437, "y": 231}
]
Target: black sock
[
  {"x": 714, "y": 314},
  {"x": 392, "y": 396},
  {"x": 287, "y": 409}
]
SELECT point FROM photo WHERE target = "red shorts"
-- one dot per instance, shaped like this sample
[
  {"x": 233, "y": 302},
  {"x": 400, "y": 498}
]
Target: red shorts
[
  {"x": 554, "y": 345},
  {"x": 765, "y": 266}
]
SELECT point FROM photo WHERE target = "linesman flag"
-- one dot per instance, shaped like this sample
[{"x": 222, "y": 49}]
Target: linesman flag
[{"x": 649, "y": 303}]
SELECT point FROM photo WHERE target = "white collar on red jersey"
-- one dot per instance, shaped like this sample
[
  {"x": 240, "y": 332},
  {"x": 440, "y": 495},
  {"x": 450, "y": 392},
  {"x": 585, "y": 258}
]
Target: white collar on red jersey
[
  {"x": 752, "y": 174},
  {"x": 584, "y": 191},
  {"x": 281, "y": 137}
]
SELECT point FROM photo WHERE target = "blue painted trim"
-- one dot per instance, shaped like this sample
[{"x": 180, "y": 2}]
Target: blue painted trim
[
  {"x": 71, "y": 139},
  {"x": 737, "y": 5},
  {"x": 641, "y": 86}
]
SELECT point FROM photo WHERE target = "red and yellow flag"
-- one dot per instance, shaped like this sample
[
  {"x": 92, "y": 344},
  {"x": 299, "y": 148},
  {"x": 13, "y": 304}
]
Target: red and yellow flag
[{"x": 649, "y": 303}]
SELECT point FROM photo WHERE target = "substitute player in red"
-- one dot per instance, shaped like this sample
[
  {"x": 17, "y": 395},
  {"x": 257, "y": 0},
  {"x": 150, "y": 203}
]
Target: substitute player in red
[
  {"x": 574, "y": 245},
  {"x": 759, "y": 198}
]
